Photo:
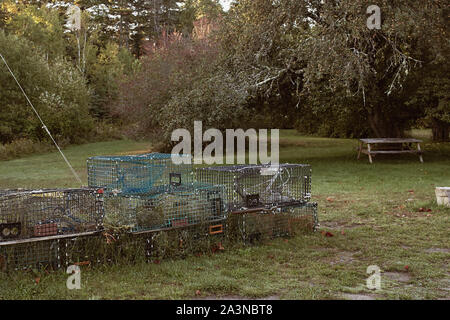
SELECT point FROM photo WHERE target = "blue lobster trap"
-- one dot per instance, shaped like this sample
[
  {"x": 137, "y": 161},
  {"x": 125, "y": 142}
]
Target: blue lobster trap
[{"x": 137, "y": 174}]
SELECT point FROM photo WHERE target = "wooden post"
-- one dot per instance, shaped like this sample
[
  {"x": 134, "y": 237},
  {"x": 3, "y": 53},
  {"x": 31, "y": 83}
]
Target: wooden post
[
  {"x": 420, "y": 153},
  {"x": 368, "y": 153},
  {"x": 359, "y": 150}
]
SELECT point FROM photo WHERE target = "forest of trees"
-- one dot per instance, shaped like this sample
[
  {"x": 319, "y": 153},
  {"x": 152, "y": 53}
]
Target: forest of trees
[{"x": 146, "y": 67}]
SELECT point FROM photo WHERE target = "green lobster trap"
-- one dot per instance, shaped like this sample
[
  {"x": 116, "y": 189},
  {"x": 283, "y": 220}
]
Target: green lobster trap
[
  {"x": 177, "y": 206},
  {"x": 259, "y": 224},
  {"x": 137, "y": 174}
]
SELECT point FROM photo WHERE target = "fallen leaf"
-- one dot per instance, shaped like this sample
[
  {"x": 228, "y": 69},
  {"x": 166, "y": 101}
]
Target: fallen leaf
[
  {"x": 330, "y": 199},
  {"x": 198, "y": 292},
  {"x": 429, "y": 210},
  {"x": 286, "y": 240},
  {"x": 156, "y": 261},
  {"x": 421, "y": 209},
  {"x": 329, "y": 234}
]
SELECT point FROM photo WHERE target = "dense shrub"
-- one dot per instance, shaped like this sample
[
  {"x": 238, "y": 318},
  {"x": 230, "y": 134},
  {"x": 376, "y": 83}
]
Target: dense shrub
[
  {"x": 174, "y": 87},
  {"x": 57, "y": 90},
  {"x": 23, "y": 147}
]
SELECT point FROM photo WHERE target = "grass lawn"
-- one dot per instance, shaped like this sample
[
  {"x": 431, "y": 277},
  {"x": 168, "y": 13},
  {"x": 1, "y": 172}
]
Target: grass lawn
[{"x": 373, "y": 211}]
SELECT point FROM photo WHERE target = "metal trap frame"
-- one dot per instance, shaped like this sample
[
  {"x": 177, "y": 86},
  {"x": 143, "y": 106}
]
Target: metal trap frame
[
  {"x": 258, "y": 224},
  {"x": 50, "y": 253},
  {"x": 31, "y": 214},
  {"x": 167, "y": 207},
  {"x": 260, "y": 186},
  {"x": 43, "y": 254},
  {"x": 200, "y": 238},
  {"x": 136, "y": 174},
  {"x": 145, "y": 246}
]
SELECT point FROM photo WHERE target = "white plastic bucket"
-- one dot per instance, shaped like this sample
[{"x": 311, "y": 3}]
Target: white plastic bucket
[{"x": 442, "y": 196}]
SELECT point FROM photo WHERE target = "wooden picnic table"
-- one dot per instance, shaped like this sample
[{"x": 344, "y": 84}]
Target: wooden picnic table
[{"x": 389, "y": 146}]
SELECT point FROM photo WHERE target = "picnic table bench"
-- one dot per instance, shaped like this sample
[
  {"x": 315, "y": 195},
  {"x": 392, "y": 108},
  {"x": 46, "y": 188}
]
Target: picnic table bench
[{"x": 389, "y": 146}]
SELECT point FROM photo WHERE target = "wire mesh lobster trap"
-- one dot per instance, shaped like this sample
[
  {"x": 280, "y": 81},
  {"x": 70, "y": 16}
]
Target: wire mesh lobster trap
[
  {"x": 177, "y": 206},
  {"x": 260, "y": 224},
  {"x": 208, "y": 236},
  {"x": 54, "y": 253},
  {"x": 36, "y": 255},
  {"x": 51, "y": 212},
  {"x": 136, "y": 174},
  {"x": 253, "y": 186}
]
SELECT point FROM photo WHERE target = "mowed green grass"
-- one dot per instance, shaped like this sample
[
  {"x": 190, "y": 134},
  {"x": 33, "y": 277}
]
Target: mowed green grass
[{"x": 373, "y": 211}]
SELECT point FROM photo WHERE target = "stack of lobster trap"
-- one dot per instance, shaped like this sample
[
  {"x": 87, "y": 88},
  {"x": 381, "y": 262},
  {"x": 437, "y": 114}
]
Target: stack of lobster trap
[
  {"x": 34, "y": 224},
  {"x": 265, "y": 201},
  {"x": 149, "y": 192},
  {"x": 146, "y": 201}
]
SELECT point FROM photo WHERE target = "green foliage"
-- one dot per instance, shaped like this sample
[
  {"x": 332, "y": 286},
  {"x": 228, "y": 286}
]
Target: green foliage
[
  {"x": 192, "y": 10},
  {"x": 172, "y": 87},
  {"x": 23, "y": 147},
  {"x": 104, "y": 75},
  {"x": 433, "y": 97},
  {"x": 309, "y": 56},
  {"x": 57, "y": 90},
  {"x": 40, "y": 25}
]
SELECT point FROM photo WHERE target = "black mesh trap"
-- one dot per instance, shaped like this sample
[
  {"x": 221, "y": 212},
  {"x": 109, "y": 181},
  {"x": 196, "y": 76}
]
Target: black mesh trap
[
  {"x": 45, "y": 213},
  {"x": 259, "y": 224},
  {"x": 254, "y": 186}
]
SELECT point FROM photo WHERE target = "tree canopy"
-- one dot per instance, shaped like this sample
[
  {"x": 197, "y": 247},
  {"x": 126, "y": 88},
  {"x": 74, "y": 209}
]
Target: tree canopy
[{"x": 152, "y": 66}]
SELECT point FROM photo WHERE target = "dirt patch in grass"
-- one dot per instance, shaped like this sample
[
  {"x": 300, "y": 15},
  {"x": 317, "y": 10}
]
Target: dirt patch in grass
[
  {"x": 402, "y": 212},
  {"x": 358, "y": 296},
  {"x": 446, "y": 283},
  {"x": 339, "y": 225},
  {"x": 397, "y": 276},
  {"x": 437, "y": 250},
  {"x": 343, "y": 257}
]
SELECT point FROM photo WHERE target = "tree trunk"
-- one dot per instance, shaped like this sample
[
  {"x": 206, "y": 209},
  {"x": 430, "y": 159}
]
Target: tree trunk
[
  {"x": 440, "y": 130},
  {"x": 382, "y": 125}
]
